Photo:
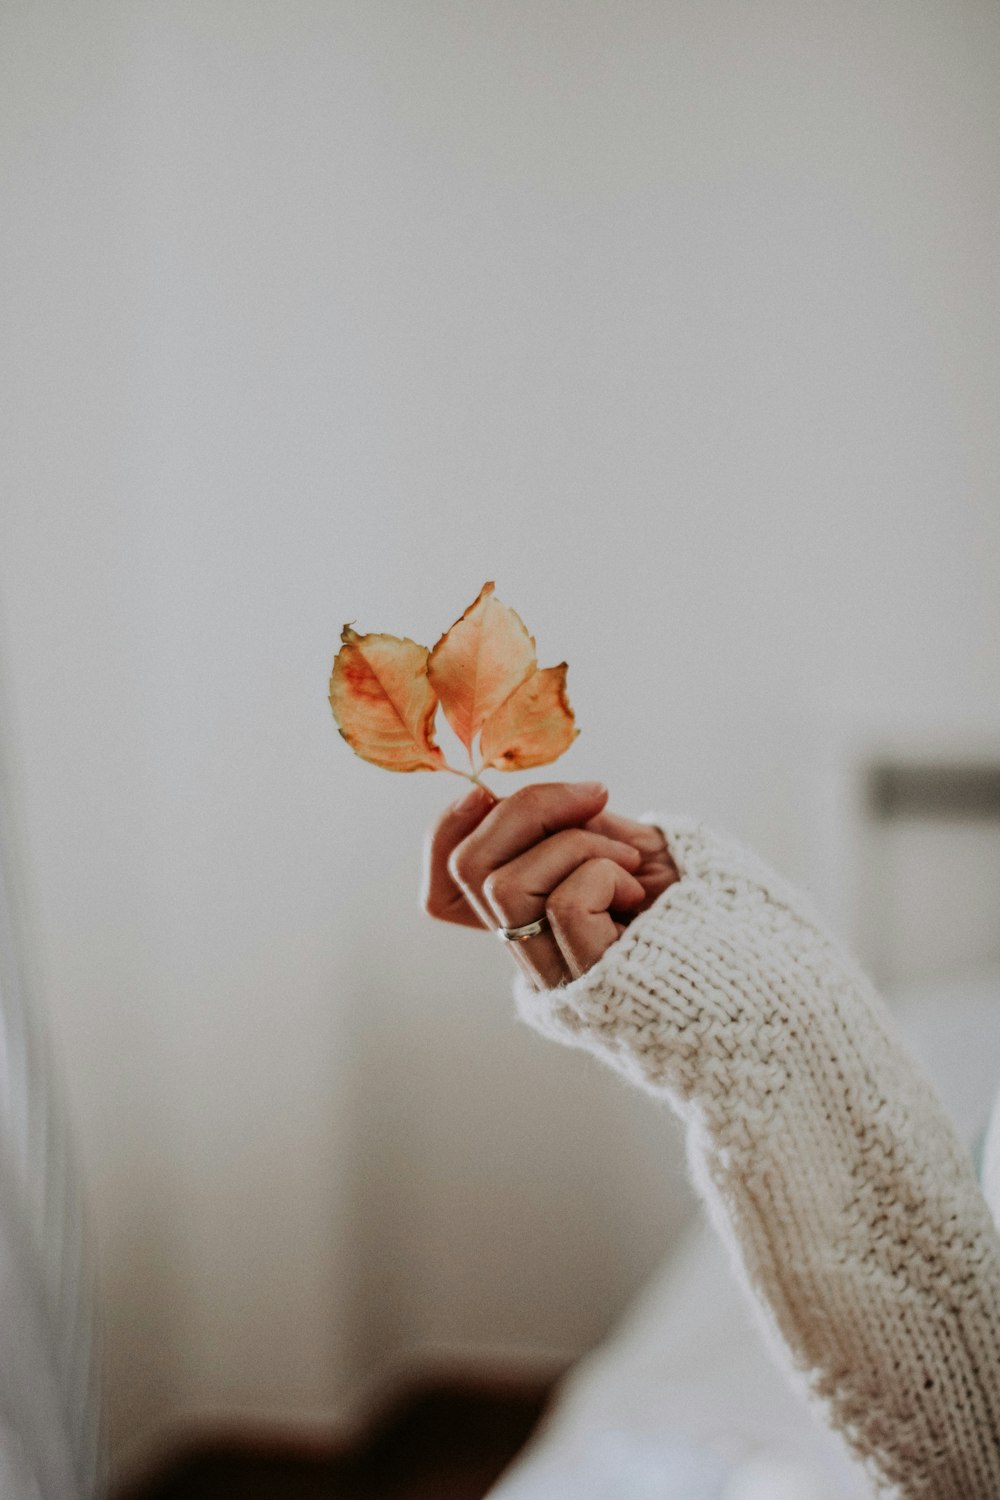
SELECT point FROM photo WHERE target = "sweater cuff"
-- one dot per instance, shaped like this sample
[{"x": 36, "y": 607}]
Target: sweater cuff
[
  {"x": 688, "y": 971},
  {"x": 572, "y": 1013}
]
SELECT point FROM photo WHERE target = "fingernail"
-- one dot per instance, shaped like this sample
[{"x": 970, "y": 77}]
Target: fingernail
[{"x": 591, "y": 788}]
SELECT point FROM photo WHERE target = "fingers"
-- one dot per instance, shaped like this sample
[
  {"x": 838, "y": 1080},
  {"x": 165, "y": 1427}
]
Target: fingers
[
  {"x": 515, "y": 825},
  {"x": 453, "y": 881},
  {"x": 580, "y": 911},
  {"x": 541, "y": 959},
  {"x": 645, "y": 837},
  {"x": 441, "y": 896},
  {"x": 656, "y": 870},
  {"x": 518, "y": 891},
  {"x": 554, "y": 849}
]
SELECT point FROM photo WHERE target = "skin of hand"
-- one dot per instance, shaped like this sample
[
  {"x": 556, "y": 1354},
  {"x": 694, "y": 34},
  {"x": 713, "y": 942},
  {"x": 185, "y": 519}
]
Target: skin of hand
[{"x": 552, "y": 849}]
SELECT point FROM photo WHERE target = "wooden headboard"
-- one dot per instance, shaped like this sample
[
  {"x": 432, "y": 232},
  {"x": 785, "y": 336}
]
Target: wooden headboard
[
  {"x": 929, "y": 886},
  {"x": 933, "y": 789}
]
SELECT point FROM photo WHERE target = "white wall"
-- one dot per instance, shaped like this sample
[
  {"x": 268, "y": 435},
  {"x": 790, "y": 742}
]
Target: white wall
[{"x": 679, "y": 320}]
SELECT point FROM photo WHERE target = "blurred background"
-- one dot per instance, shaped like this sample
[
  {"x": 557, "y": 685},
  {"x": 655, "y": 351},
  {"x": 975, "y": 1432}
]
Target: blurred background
[{"x": 677, "y": 320}]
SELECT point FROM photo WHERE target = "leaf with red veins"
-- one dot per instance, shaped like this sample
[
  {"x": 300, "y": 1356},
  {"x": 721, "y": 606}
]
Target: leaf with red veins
[
  {"x": 383, "y": 702},
  {"x": 478, "y": 663},
  {"x": 533, "y": 726}
]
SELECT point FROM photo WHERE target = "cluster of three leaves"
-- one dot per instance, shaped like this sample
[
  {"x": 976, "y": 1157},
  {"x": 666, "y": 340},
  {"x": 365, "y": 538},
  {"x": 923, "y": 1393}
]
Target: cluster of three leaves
[{"x": 385, "y": 691}]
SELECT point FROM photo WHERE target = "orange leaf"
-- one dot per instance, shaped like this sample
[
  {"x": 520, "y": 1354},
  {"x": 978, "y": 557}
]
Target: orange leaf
[
  {"x": 479, "y": 662},
  {"x": 383, "y": 703},
  {"x": 533, "y": 726}
]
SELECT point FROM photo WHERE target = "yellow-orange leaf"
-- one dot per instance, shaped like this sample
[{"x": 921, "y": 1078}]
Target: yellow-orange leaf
[
  {"x": 383, "y": 702},
  {"x": 533, "y": 726},
  {"x": 479, "y": 662}
]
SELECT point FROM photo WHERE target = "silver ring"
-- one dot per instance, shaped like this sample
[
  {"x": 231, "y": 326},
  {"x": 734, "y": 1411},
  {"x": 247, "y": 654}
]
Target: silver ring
[{"x": 522, "y": 934}]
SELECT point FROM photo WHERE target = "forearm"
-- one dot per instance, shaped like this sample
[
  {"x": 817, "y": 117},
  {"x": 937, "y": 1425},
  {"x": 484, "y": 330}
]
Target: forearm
[{"x": 824, "y": 1155}]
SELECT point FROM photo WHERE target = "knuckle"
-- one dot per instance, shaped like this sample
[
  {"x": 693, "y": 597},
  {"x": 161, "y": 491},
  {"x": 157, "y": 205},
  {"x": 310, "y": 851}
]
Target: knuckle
[
  {"x": 561, "y": 903},
  {"x": 496, "y": 887},
  {"x": 526, "y": 798},
  {"x": 576, "y": 842},
  {"x": 461, "y": 865},
  {"x": 570, "y": 897}
]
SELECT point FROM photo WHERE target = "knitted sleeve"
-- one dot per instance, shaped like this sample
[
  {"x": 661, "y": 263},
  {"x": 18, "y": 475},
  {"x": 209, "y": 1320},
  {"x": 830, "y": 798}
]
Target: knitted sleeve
[{"x": 848, "y": 1203}]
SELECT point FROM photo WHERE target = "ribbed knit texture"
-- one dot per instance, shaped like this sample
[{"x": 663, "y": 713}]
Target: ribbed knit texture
[{"x": 849, "y": 1205}]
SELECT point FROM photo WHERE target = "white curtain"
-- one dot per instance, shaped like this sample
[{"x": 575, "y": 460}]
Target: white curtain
[{"x": 48, "y": 1406}]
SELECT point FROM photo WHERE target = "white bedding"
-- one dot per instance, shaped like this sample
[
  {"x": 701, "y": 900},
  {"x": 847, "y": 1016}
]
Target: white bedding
[{"x": 684, "y": 1401}]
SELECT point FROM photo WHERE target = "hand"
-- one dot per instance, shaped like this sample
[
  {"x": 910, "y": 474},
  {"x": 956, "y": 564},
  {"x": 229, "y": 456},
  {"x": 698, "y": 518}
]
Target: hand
[{"x": 551, "y": 849}]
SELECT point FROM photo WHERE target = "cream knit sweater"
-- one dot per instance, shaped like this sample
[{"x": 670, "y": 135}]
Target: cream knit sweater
[{"x": 849, "y": 1206}]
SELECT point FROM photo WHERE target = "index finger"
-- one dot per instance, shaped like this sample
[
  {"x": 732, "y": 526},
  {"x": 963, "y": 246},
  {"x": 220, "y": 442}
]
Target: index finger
[{"x": 441, "y": 896}]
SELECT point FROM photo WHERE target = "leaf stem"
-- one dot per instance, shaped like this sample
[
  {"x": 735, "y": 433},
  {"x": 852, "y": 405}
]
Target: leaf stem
[{"x": 472, "y": 776}]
